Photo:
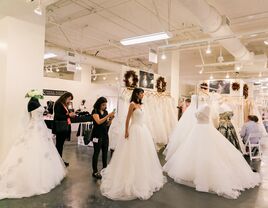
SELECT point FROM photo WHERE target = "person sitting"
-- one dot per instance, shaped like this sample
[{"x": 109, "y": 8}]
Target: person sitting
[{"x": 251, "y": 126}]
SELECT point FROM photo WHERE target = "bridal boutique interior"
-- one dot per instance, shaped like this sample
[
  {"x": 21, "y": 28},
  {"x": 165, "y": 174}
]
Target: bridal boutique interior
[{"x": 204, "y": 52}]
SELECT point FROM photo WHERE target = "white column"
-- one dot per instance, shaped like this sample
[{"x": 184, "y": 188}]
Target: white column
[
  {"x": 21, "y": 62},
  {"x": 170, "y": 68}
]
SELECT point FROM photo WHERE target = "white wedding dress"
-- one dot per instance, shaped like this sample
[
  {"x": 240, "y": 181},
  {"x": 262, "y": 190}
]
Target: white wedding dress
[
  {"x": 33, "y": 165},
  {"x": 183, "y": 128},
  {"x": 207, "y": 161},
  {"x": 134, "y": 170}
]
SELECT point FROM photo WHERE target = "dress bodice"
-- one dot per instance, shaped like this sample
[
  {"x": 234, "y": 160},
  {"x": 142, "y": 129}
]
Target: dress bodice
[
  {"x": 203, "y": 115},
  {"x": 37, "y": 114},
  {"x": 138, "y": 116},
  {"x": 227, "y": 116}
]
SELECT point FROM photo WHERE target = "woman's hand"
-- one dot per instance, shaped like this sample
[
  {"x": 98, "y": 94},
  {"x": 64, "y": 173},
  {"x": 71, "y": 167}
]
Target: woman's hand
[
  {"x": 126, "y": 135},
  {"x": 111, "y": 115},
  {"x": 72, "y": 114}
]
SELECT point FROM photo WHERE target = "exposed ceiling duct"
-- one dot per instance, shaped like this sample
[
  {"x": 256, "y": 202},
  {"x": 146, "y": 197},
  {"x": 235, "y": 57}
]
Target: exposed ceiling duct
[
  {"x": 86, "y": 59},
  {"x": 216, "y": 25}
]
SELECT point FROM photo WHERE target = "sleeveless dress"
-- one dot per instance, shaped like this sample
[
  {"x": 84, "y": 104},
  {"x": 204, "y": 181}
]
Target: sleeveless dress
[
  {"x": 33, "y": 165},
  {"x": 208, "y": 162},
  {"x": 134, "y": 170}
]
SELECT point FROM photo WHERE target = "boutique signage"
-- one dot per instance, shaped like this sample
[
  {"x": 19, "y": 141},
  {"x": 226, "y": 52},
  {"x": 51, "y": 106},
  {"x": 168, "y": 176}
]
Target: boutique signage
[{"x": 47, "y": 92}]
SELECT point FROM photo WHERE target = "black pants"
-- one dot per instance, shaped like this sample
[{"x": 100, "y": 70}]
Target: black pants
[
  {"x": 60, "y": 139},
  {"x": 102, "y": 145}
]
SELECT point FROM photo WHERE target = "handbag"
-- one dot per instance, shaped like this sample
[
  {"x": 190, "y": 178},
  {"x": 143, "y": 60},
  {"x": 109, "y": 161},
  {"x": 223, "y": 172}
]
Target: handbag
[
  {"x": 61, "y": 127},
  {"x": 88, "y": 134}
]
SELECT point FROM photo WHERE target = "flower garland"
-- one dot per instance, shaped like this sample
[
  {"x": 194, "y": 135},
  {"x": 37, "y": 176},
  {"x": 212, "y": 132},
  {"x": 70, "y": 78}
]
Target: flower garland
[
  {"x": 235, "y": 86},
  {"x": 34, "y": 94},
  {"x": 131, "y": 74},
  {"x": 161, "y": 84},
  {"x": 245, "y": 91}
]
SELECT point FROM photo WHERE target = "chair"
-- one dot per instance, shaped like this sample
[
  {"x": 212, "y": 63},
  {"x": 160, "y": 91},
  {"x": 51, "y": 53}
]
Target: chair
[{"x": 250, "y": 145}]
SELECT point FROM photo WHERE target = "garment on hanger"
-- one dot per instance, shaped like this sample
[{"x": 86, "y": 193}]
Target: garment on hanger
[{"x": 227, "y": 129}]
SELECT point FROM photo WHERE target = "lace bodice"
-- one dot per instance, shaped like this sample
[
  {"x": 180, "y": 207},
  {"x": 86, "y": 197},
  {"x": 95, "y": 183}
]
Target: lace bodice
[
  {"x": 37, "y": 114},
  {"x": 203, "y": 115}
]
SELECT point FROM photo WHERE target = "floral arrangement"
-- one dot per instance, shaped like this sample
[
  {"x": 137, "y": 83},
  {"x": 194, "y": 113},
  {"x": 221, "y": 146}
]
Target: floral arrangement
[
  {"x": 34, "y": 94},
  {"x": 127, "y": 79},
  {"x": 161, "y": 84},
  {"x": 204, "y": 86},
  {"x": 245, "y": 91},
  {"x": 235, "y": 86}
]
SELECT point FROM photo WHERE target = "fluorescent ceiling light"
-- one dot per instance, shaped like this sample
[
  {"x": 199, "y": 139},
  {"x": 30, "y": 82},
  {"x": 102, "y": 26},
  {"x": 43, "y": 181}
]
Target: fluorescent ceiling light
[
  {"x": 49, "y": 55},
  {"x": 146, "y": 38}
]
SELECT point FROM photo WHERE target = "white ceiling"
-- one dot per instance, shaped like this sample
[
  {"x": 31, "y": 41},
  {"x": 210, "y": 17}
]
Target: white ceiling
[{"x": 97, "y": 26}]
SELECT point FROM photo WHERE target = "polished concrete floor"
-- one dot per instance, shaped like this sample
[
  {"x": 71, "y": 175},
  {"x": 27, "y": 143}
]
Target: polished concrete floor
[{"x": 80, "y": 190}]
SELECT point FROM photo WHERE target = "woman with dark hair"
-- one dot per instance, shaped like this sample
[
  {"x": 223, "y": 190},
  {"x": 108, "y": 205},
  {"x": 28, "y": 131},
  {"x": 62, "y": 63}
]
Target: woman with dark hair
[
  {"x": 134, "y": 170},
  {"x": 101, "y": 122},
  {"x": 62, "y": 121}
]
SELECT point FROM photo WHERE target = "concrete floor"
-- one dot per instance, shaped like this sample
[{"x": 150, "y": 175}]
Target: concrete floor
[{"x": 79, "y": 190}]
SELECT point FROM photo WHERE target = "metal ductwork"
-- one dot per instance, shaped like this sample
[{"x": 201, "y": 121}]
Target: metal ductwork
[
  {"x": 83, "y": 59},
  {"x": 216, "y": 26}
]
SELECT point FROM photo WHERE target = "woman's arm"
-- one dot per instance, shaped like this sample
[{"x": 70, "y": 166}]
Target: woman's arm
[
  {"x": 99, "y": 121},
  {"x": 129, "y": 114},
  {"x": 110, "y": 121}
]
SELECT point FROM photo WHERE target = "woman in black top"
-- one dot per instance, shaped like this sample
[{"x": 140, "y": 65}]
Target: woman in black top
[
  {"x": 61, "y": 113},
  {"x": 101, "y": 122}
]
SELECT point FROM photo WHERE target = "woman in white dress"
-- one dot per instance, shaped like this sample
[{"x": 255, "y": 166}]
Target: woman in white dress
[
  {"x": 207, "y": 161},
  {"x": 134, "y": 170},
  {"x": 33, "y": 165}
]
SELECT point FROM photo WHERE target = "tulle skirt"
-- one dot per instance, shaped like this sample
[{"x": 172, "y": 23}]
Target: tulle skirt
[
  {"x": 134, "y": 170},
  {"x": 180, "y": 132},
  {"x": 210, "y": 163}
]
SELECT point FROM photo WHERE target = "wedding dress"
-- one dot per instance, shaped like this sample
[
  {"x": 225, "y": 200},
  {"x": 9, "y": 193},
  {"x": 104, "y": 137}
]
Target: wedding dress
[
  {"x": 207, "y": 161},
  {"x": 183, "y": 128},
  {"x": 33, "y": 165},
  {"x": 134, "y": 170}
]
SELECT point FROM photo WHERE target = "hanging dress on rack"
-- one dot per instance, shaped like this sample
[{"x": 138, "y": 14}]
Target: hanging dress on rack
[{"x": 227, "y": 129}]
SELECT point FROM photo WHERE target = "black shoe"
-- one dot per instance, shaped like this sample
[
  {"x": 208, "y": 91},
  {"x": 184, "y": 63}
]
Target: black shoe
[
  {"x": 97, "y": 176},
  {"x": 254, "y": 170},
  {"x": 66, "y": 164}
]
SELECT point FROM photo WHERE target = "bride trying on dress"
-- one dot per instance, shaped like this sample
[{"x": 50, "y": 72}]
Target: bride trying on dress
[{"x": 134, "y": 170}]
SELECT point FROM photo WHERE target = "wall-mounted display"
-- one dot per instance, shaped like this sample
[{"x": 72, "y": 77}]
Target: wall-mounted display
[
  {"x": 47, "y": 92},
  {"x": 219, "y": 86},
  {"x": 146, "y": 80}
]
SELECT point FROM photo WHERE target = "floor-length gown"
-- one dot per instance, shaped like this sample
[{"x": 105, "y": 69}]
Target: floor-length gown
[
  {"x": 33, "y": 165},
  {"x": 209, "y": 162},
  {"x": 182, "y": 129},
  {"x": 134, "y": 170},
  {"x": 226, "y": 128}
]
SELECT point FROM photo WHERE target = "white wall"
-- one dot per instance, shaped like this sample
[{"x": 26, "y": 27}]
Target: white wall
[
  {"x": 81, "y": 89},
  {"x": 21, "y": 70}
]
